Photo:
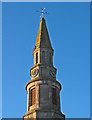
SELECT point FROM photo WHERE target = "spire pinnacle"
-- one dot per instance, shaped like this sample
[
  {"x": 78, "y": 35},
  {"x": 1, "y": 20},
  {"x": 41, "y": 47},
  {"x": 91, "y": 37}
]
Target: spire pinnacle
[{"x": 43, "y": 39}]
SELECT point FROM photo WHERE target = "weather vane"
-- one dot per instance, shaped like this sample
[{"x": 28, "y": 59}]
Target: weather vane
[{"x": 42, "y": 12}]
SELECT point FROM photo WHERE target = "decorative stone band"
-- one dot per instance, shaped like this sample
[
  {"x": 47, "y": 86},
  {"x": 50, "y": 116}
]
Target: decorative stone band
[{"x": 39, "y": 79}]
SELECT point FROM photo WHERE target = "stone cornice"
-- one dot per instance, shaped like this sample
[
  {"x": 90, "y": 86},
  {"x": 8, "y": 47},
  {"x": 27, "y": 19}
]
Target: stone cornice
[{"x": 42, "y": 79}]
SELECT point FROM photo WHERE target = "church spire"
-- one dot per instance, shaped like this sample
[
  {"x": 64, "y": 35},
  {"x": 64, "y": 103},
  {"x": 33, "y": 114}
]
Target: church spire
[
  {"x": 43, "y": 90},
  {"x": 43, "y": 40}
]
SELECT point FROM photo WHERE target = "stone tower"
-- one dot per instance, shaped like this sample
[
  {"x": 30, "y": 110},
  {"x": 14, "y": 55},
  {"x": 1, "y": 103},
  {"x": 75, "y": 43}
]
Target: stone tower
[{"x": 43, "y": 90}]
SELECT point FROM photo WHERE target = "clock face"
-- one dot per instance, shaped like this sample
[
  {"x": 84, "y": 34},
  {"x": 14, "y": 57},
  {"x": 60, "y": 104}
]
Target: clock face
[
  {"x": 52, "y": 73},
  {"x": 34, "y": 72}
]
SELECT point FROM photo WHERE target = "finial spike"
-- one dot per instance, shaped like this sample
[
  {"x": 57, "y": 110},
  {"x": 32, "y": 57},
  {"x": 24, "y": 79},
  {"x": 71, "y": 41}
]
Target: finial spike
[{"x": 42, "y": 12}]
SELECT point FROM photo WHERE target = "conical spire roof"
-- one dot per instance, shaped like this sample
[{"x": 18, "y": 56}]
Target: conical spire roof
[{"x": 42, "y": 39}]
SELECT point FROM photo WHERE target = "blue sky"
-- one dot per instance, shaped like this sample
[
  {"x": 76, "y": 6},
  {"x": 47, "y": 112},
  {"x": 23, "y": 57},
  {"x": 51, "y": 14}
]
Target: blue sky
[{"x": 69, "y": 31}]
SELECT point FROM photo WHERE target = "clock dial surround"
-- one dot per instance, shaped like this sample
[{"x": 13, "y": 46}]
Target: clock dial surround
[
  {"x": 52, "y": 73},
  {"x": 34, "y": 72}
]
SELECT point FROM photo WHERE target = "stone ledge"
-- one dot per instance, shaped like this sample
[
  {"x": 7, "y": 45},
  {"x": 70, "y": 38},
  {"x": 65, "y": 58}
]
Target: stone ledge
[
  {"x": 42, "y": 79},
  {"x": 39, "y": 110}
]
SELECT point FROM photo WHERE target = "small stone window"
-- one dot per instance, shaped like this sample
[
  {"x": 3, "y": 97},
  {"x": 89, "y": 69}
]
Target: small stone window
[
  {"x": 54, "y": 96},
  {"x": 43, "y": 56},
  {"x": 29, "y": 98},
  {"x": 36, "y": 58},
  {"x": 50, "y": 58},
  {"x": 32, "y": 96}
]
